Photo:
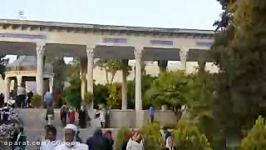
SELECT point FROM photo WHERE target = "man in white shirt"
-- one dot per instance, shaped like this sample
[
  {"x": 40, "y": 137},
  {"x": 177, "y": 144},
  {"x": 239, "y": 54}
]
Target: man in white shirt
[
  {"x": 70, "y": 142},
  {"x": 50, "y": 142}
]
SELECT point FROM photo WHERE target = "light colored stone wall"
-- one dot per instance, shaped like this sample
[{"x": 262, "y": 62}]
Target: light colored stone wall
[{"x": 120, "y": 118}]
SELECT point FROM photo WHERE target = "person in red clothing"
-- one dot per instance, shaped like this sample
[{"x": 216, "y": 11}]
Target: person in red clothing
[{"x": 71, "y": 116}]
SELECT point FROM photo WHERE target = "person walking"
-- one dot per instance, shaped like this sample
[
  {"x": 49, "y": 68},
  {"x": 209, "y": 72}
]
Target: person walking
[
  {"x": 70, "y": 142},
  {"x": 48, "y": 99},
  {"x": 71, "y": 116},
  {"x": 2, "y": 100},
  {"x": 63, "y": 114},
  {"x": 102, "y": 117},
  {"x": 50, "y": 141},
  {"x": 151, "y": 113},
  {"x": 29, "y": 96},
  {"x": 21, "y": 96},
  {"x": 83, "y": 117},
  {"x": 97, "y": 142},
  {"x": 135, "y": 142},
  {"x": 49, "y": 115}
]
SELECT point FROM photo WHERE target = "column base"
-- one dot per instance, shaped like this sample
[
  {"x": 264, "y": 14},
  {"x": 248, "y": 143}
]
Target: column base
[{"x": 142, "y": 118}]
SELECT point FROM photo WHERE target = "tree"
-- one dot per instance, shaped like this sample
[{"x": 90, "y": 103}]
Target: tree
[
  {"x": 114, "y": 99},
  {"x": 240, "y": 53},
  {"x": 256, "y": 138},
  {"x": 110, "y": 66},
  {"x": 121, "y": 137},
  {"x": 168, "y": 89},
  {"x": 60, "y": 70},
  {"x": 73, "y": 92},
  {"x": 152, "y": 136},
  {"x": 188, "y": 137}
]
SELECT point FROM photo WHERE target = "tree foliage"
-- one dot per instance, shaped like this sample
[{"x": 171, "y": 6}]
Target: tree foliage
[
  {"x": 188, "y": 137},
  {"x": 110, "y": 66},
  {"x": 168, "y": 88},
  {"x": 256, "y": 138},
  {"x": 60, "y": 71},
  {"x": 121, "y": 137},
  {"x": 72, "y": 93},
  {"x": 114, "y": 99},
  {"x": 152, "y": 136},
  {"x": 240, "y": 54}
]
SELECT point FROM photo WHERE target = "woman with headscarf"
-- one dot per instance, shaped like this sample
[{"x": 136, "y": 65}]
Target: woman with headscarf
[{"x": 70, "y": 142}]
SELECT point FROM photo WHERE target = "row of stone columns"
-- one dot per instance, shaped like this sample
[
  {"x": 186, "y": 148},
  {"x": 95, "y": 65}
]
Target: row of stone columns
[
  {"x": 138, "y": 74},
  {"x": 40, "y": 48}
]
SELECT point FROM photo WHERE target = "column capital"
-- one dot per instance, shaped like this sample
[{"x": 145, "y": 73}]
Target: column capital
[
  {"x": 138, "y": 54},
  {"x": 90, "y": 51},
  {"x": 183, "y": 53},
  {"x": 40, "y": 47}
]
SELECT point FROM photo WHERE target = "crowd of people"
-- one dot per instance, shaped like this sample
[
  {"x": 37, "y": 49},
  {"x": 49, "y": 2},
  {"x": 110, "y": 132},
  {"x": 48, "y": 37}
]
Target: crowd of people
[
  {"x": 99, "y": 141},
  {"x": 72, "y": 140}
]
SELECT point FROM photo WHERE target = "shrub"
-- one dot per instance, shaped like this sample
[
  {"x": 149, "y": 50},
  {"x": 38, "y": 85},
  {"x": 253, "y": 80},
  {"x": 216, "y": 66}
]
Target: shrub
[
  {"x": 152, "y": 136},
  {"x": 36, "y": 101},
  {"x": 188, "y": 137},
  {"x": 256, "y": 138},
  {"x": 122, "y": 136}
]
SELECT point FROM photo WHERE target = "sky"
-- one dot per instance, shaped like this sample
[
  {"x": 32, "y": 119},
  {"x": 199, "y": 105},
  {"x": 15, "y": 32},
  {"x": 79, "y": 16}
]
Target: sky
[
  {"x": 196, "y": 14},
  {"x": 191, "y": 14}
]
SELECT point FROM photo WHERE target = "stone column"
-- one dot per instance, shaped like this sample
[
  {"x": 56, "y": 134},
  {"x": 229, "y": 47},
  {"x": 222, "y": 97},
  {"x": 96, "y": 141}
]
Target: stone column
[
  {"x": 162, "y": 65},
  {"x": 138, "y": 96},
  {"x": 39, "y": 74},
  {"x": 83, "y": 70},
  {"x": 19, "y": 80},
  {"x": 90, "y": 54},
  {"x": 124, "y": 84},
  {"x": 51, "y": 84},
  {"x": 183, "y": 58},
  {"x": 7, "y": 88}
]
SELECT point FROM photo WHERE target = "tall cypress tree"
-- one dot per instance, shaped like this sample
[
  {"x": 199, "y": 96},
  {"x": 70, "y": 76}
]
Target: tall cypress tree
[{"x": 240, "y": 52}]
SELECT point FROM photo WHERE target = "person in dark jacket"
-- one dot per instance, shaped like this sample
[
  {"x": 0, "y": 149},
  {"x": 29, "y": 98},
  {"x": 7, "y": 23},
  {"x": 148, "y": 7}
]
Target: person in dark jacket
[
  {"x": 29, "y": 95},
  {"x": 2, "y": 100},
  {"x": 83, "y": 117},
  {"x": 20, "y": 143},
  {"x": 98, "y": 142},
  {"x": 109, "y": 137},
  {"x": 78, "y": 139}
]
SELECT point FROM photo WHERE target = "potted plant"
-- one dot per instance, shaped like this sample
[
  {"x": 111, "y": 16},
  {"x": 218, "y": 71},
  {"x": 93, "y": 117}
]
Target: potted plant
[{"x": 36, "y": 101}]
